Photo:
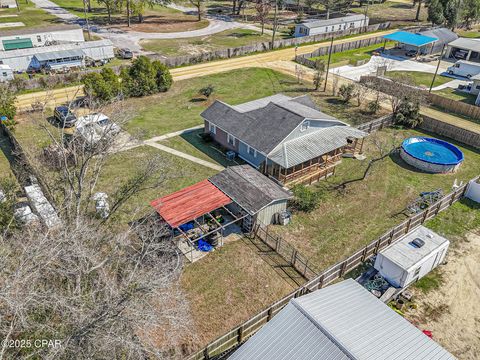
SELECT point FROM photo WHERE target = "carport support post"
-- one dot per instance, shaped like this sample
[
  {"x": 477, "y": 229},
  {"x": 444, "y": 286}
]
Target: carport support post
[
  {"x": 436, "y": 70},
  {"x": 384, "y": 45}
]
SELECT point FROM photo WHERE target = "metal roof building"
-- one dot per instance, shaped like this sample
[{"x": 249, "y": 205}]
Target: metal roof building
[{"x": 341, "y": 321}]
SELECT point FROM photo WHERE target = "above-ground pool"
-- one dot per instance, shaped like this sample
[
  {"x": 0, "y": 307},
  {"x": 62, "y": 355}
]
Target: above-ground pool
[{"x": 431, "y": 155}]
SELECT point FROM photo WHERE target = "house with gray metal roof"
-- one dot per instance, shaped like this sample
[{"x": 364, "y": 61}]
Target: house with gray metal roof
[
  {"x": 340, "y": 322},
  {"x": 253, "y": 192},
  {"x": 286, "y": 138},
  {"x": 346, "y": 22}
]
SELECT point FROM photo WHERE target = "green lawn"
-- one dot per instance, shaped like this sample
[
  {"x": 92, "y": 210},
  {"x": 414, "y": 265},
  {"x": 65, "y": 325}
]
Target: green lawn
[
  {"x": 5, "y": 158},
  {"x": 181, "y": 106},
  {"x": 176, "y": 172},
  {"x": 157, "y": 18},
  {"x": 29, "y": 15},
  {"x": 344, "y": 222},
  {"x": 418, "y": 78},
  {"x": 198, "y": 45},
  {"x": 352, "y": 56},
  {"x": 191, "y": 143},
  {"x": 457, "y": 95}
]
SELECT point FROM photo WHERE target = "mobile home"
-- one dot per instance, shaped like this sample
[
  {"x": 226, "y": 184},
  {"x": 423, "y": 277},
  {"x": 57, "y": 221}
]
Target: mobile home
[
  {"x": 315, "y": 27},
  {"x": 6, "y": 73}
]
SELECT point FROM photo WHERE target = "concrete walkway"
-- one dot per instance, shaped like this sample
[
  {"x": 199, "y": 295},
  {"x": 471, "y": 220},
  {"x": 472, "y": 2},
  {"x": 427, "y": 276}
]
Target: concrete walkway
[
  {"x": 185, "y": 156},
  {"x": 56, "y": 10},
  {"x": 176, "y": 133}
]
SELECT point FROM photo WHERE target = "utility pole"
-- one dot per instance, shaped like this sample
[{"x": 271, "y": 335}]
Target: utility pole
[
  {"x": 328, "y": 64},
  {"x": 86, "y": 19},
  {"x": 436, "y": 70},
  {"x": 365, "y": 18},
  {"x": 128, "y": 13},
  {"x": 275, "y": 19}
]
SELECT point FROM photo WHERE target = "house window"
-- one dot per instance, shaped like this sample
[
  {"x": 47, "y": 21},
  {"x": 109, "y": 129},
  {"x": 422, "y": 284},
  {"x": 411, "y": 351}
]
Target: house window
[
  {"x": 417, "y": 271},
  {"x": 305, "y": 125},
  {"x": 252, "y": 151},
  {"x": 231, "y": 139},
  {"x": 39, "y": 38},
  {"x": 4, "y": 74},
  {"x": 212, "y": 128},
  {"x": 477, "y": 87},
  {"x": 352, "y": 25}
]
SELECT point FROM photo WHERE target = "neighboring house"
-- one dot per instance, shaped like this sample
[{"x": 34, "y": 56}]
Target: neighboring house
[
  {"x": 475, "y": 88},
  {"x": 58, "y": 56},
  {"x": 253, "y": 192},
  {"x": 464, "y": 49},
  {"x": 444, "y": 36},
  {"x": 340, "y": 322},
  {"x": 286, "y": 138},
  {"x": 40, "y": 36},
  {"x": 408, "y": 260},
  {"x": 8, "y": 4},
  {"x": 350, "y": 21},
  {"x": 6, "y": 73}
]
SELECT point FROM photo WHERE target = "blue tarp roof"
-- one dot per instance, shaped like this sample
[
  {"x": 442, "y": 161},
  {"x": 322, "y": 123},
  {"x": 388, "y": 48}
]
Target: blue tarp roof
[{"x": 410, "y": 38}]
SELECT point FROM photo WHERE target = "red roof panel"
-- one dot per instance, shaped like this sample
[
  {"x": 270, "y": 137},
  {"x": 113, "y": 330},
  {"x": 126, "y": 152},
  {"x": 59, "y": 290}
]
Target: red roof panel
[{"x": 190, "y": 203}]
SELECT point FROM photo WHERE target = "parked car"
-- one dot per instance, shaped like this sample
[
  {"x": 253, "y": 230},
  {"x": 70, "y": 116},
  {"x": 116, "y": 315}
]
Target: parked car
[
  {"x": 460, "y": 54},
  {"x": 125, "y": 53},
  {"x": 411, "y": 53},
  {"x": 64, "y": 116},
  {"x": 96, "y": 127},
  {"x": 464, "y": 68}
]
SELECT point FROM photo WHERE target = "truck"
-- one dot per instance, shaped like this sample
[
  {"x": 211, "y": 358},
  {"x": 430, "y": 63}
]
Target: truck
[{"x": 464, "y": 68}]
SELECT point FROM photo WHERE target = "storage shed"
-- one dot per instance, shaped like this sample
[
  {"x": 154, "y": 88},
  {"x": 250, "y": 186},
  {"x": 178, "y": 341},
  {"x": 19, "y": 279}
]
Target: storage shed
[
  {"x": 253, "y": 192},
  {"x": 412, "y": 257},
  {"x": 340, "y": 322},
  {"x": 6, "y": 73}
]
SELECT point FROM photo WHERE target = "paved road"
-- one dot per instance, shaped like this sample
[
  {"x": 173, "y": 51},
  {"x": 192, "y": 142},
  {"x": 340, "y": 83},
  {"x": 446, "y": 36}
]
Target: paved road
[{"x": 131, "y": 39}]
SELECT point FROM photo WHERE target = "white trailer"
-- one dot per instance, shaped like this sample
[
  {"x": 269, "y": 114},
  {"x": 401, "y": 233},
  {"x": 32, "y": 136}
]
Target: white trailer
[
  {"x": 6, "y": 73},
  {"x": 411, "y": 258},
  {"x": 464, "y": 68}
]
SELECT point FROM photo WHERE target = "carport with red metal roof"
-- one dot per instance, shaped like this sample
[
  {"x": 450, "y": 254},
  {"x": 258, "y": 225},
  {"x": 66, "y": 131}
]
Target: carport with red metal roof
[{"x": 197, "y": 213}]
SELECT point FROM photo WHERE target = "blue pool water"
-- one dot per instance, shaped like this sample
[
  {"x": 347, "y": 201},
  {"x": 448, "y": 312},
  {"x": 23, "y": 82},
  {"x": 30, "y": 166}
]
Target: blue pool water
[{"x": 433, "y": 150}]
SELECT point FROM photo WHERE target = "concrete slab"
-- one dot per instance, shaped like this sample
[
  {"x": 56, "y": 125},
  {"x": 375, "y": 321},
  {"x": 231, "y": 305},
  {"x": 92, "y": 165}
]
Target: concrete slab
[{"x": 12, "y": 24}]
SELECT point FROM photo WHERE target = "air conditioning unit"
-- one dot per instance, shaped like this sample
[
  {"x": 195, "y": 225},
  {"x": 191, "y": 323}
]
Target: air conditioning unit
[{"x": 231, "y": 155}]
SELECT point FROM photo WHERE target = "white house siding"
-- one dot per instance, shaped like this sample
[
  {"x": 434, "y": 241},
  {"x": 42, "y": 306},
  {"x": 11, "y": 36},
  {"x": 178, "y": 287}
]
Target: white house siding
[
  {"x": 326, "y": 26},
  {"x": 23, "y": 59},
  {"x": 266, "y": 215},
  {"x": 45, "y": 38},
  {"x": 6, "y": 73}
]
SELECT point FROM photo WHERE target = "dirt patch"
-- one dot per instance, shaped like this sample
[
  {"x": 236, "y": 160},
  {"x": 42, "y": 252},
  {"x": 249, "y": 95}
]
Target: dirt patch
[
  {"x": 164, "y": 24},
  {"x": 452, "y": 312}
]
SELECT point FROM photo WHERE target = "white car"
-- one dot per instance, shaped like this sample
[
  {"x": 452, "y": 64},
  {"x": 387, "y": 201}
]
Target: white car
[{"x": 95, "y": 127}]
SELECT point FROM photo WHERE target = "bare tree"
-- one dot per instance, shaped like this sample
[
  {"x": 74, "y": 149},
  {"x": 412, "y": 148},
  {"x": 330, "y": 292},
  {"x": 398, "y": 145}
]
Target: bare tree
[
  {"x": 199, "y": 5},
  {"x": 360, "y": 93},
  {"x": 262, "y": 8},
  {"x": 100, "y": 294},
  {"x": 318, "y": 77}
]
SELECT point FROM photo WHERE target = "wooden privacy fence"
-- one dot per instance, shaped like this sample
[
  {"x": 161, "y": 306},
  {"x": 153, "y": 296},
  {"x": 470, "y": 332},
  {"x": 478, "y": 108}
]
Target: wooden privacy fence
[
  {"x": 305, "y": 59},
  {"x": 262, "y": 46},
  {"x": 377, "y": 124},
  {"x": 462, "y": 135},
  {"x": 241, "y": 333},
  {"x": 455, "y": 106}
]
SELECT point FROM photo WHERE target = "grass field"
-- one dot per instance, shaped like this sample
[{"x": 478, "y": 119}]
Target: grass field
[
  {"x": 198, "y": 45},
  {"x": 5, "y": 158},
  {"x": 418, "y": 78},
  {"x": 457, "y": 95},
  {"x": 180, "y": 108},
  {"x": 344, "y": 222},
  {"x": 156, "y": 19},
  {"x": 398, "y": 12},
  {"x": 191, "y": 143},
  {"x": 228, "y": 287},
  {"x": 351, "y": 56},
  {"x": 29, "y": 15}
]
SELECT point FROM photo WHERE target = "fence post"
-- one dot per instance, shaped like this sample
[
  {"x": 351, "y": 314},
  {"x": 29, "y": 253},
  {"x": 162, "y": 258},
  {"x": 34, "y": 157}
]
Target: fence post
[
  {"x": 377, "y": 245},
  {"x": 391, "y": 237},
  {"x": 437, "y": 210},
  {"x": 425, "y": 215},
  {"x": 409, "y": 223},
  {"x": 454, "y": 195},
  {"x": 206, "y": 356},
  {"x": 343, "y": 268},
  {"x": 364, "y": 254},
  {"x": 269, "y": 314},
  {"x": 294, "y": 257},
  {"x": 240, "y": 334}
]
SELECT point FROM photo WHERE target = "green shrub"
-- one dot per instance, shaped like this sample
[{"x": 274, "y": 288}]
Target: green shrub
[
  {"x": 408, "y": 113},
  {"x": 373, "y": 106},
  {"x": 142, "y": 77},
  {"x": 346, "y": 92},
  {"x": 7, "y": 102},
  {"x": 305, "y": 198},
  {"x": 207, "y": 91},
  {"x": 163, "y": 77}
]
